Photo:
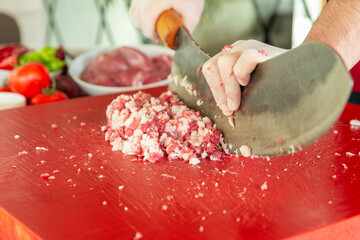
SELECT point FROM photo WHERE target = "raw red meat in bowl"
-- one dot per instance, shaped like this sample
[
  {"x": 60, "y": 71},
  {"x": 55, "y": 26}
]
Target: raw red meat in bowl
[{"x": 122, "y": 69}]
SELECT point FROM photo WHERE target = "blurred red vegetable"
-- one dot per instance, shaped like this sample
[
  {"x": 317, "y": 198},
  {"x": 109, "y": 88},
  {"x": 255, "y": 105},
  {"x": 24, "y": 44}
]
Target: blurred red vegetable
[
  {"x": 9, "y": 63},
  {"x": 29, "y": 79},
  {"x": 66, "y": 84},
  {"x": 7, "y": 50},
  {"x": 54, "y": 96},
  {"x": 4, "y": 89}
]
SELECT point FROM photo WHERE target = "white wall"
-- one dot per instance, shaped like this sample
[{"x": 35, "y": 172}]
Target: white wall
[
  {"x": 301, "y": 23},
  {"x": 77, "y": 20},
  {"x": 30, "y": 18}
]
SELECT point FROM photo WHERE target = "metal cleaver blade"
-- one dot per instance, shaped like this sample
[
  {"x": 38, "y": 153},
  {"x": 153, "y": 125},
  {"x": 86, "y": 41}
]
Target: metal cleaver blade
[{"x": 290, "y": 102}]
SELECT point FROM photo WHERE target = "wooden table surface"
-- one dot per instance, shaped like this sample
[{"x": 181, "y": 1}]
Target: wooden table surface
[{"x": 101, "y": 194}]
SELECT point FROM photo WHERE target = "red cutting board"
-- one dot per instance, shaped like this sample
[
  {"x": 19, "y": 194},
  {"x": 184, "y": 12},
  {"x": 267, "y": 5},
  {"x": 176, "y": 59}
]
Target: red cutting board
[{"x": 213, "y": 200}]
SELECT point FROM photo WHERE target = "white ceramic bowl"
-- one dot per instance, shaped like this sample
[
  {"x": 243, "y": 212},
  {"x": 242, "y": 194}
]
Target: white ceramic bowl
[{"x": 80, "y": 62}]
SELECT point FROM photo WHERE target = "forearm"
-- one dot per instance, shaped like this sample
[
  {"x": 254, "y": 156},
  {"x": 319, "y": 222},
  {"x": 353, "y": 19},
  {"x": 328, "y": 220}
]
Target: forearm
[{"x": 338, "y": 26}]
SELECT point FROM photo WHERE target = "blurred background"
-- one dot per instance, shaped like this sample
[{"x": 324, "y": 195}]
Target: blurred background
[
  {"x": 83, "y": 24},
  {"x": 81, "y": 43}
]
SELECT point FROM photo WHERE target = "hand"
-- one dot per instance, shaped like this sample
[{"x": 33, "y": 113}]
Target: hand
[
  {"x": 232, "y": 68},
  {"x": 144, "y": 13}
]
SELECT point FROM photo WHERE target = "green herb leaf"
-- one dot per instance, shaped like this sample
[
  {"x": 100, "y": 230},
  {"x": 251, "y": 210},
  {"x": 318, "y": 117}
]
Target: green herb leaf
[{"x": 45, "y": 56}]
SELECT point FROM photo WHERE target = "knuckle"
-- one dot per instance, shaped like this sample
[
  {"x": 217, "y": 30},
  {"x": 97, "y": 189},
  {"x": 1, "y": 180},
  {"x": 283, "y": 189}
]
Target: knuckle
[
  {"x": 238, "y": 42},
  {"x": 207, "y": 68},
  {"x": 227, "y": 59},
  {"x": 239, "y": 73}
]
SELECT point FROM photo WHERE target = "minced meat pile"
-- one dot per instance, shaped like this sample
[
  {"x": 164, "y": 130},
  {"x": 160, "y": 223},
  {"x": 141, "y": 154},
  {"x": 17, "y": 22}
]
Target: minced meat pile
[{"x": 153, "y": 128}]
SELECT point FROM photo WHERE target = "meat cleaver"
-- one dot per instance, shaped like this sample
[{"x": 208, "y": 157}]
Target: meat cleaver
[{"x": 290, "y": 102}]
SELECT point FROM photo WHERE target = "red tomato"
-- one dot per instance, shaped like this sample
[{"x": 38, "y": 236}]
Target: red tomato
[
  {"x": 4, "y": 89},
  {"x": 29, "y": 79},
  {"x": 9, "y": 62},
  {"x": 46, "y": 98}
]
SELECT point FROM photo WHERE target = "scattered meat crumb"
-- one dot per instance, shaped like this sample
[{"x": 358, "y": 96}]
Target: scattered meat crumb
[
  {"x": 74, "y": 117},
  {"x": 16, "y": 136},
  {"x": 224, "y": 211},
  {"x": 54, "y": 126},
  {"x": 262, "y": 52},
  {"x": 138, "y": 236},
  {"x": 299, "y": 145},
  {"x": 335, "y": 132},
  {"x": 126, "y": 209},
  {"x": 238, "y": 219},
  {"x": 104, "y": 203},
  {"x": 330, "y": 202},
  {"x": 292, "y": 148},
  {"x": 201, "y": 228},
  {"x": 337, "y": 154},
  {"x": 22, "y": 153},
  {"x": 56, "y": 171},
  {"x": 69, "y": 180},
  {"x": 82, "y": 124},
  {"x": 164, "y": 207},
  {"x": 231, "y": 121},
  {"x": 333, "y": 176},
  {"x": 355, "y": 123},
  {"x": 101, "y": 176},
  {"x": 90, "y": 155},
  {"x": 51, "y": 177},
  {"x": 226, "y": 48},
  {"x": 194, "y": 161},
  {"x": 41, "y": 149},
  {"x": 345, "y": 166},
  {"x": 350, "y": 154},
  {"x": 264, "y": 186},
  {"x": 121, "y": 187},
  {"x": 45, "y": 176},
  {"x": 168, "y": 176},
  {"x": 245, "y": 151}
]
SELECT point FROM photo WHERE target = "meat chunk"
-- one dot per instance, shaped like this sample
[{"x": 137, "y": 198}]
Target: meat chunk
[{"x": 126, "y": 66}]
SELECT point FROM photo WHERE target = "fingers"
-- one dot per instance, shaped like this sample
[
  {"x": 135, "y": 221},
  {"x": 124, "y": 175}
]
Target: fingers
[
  {"x": 246, "y": 64},
  {"x": 214, "y": 80},
  {"x": 230, "y": 69},
  {"x": 226, "y": 64}
]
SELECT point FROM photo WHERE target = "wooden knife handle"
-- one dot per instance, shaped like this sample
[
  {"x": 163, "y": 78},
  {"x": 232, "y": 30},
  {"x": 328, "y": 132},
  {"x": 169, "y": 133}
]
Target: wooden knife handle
[{"x": 167, "y": 26}]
